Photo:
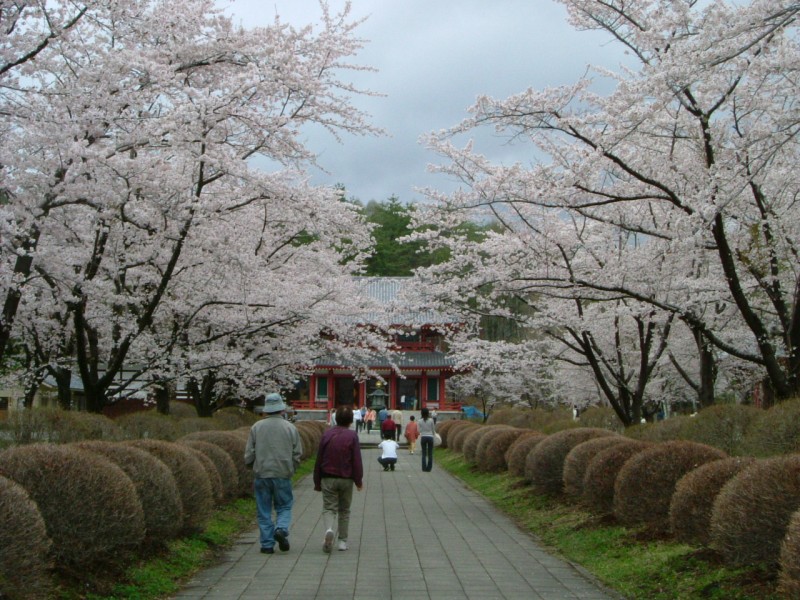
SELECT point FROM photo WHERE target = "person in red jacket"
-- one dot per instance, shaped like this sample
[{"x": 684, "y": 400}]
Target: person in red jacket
[
  {"x": 387, "y": 428},
  {"x": 338, "y": 468}
]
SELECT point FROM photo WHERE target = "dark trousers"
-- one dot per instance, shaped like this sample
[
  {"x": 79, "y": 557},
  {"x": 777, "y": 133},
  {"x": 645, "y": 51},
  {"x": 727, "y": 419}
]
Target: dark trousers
[
  {"x": 387, "y": 463},
  {"x": 427, "y": 452}
]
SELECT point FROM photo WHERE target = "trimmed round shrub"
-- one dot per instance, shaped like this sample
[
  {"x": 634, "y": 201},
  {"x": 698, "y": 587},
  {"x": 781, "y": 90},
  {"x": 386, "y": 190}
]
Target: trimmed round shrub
[
  {"x": 691, "y": 504},
  {"x": 234, "y": 445},
  {"x": 667, "y": 430},
  {"x": 149, "y": 425},
  {"x": 646, "y": 482},
  {"x": 320, "y": 425},
  {"x": 234, "y": 417},
  {"x": 517, "y": 454},
  {"x": 311, "y": 440},
  {"x": 602, "y": 417},
  {"x": 155, "y": 485},
  {"x": 501, "y": 416},
  {"x": 197, "y": 498},
  {"x": 544, "y": 466},
  {"x": 473, "y": 439},
  {"x": 24, "y": 546},
  {"x": 183, "y": 410},
  {"x": 722, "y": 426},
  {"x": 457, "y": 438},
  {"x": 307, "y": 440},
  {"x": 751, "y": 514},
  {"x": 491, "y": 454},
  {"x": 187, "y": 425},
  {"x": 775, "y": 432},
  {"x": 601, "y": 474},
  {"x": 214, "y": 479},
  {"x": 579, "y": 458},
  {"x": 89, "y": 505},
  {"x": 55, "y": 425},
  {"x": 447, "y": 429},
  {"x": 223, "y": 464},
  {"x": 789, "y": 580}
]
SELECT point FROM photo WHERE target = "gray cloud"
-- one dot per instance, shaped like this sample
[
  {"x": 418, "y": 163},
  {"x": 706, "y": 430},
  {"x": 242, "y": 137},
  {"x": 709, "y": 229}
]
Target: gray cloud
[{"x": 434, "y": 58}]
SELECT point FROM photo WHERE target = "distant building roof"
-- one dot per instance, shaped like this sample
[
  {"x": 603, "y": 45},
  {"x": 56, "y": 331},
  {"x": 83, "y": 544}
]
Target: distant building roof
[
  {"x": 393, "y": 294},
  {"x": 404, "y": 360}
]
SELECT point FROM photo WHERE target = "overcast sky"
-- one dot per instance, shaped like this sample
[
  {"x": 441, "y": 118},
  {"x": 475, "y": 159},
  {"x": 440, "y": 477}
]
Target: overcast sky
[{"x": 433, "y": 59}]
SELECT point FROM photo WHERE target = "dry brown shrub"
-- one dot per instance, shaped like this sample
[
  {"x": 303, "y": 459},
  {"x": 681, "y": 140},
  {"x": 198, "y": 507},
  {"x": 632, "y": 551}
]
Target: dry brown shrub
[
  {"x": 55, "y": 425},
  {"x": 563, "y": 425},
  {"x": 311, "y": 444},
  {"x": 234, "y": 445},
  {"x": 690, "y": 508},
  {"x": 646, "y": 482},
  {"x": 775, "y": 432},
  {"x": 752, "y": 511},
  {"x": 448, "y": 428},
  {"x": 182, "y": 410},
  {"x": 320, "y": 425},
  {"x": 539, "y": 418},
  {"x": 517, "y": 453},
  {"x": 231, "y": 417},
  {"x": 24, "y": 546},
  {"x": 457, "y": 438},
  {"x": 667, "y": 430},
  {"x": 148, "y": 425},
  {"x": 214, "y": 478},
  {"x": 789, "y": 580},
  {"x": 473, "y": 440},
  {"x": 578, "y": 460},
  {"x": 187, "y": 425},
  {"x": 242, "y": 432},
  {"x": 491, "y": 451},
  {"x": 544, "y": 466},
  {"x": 197, "y": 497},
  {"x": 307, "y": 441},
  {"x": 155, "y": 486},
  {"x": 223, "y": 464},
  {"x": 722, "y": 426},
  {"x": 89, "y": 505},
  {"x": 501, "y": 416},
  {"x": 601, "y": 474},
  {"x": 602, "y": 417}
]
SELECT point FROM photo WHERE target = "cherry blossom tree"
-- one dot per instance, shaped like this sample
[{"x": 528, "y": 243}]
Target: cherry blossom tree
[
  {"x": 675, "y": 191},
  {"x": 129, "y": 135}
]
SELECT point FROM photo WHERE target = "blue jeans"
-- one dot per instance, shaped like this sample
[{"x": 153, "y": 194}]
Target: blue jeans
[
  {"x": 273, "y": 492},
  {"x": 426, "y": 442}
]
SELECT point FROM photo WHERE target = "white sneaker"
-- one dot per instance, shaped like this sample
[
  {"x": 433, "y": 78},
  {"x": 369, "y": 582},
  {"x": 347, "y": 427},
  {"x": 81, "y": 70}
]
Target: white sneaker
[
  {"x": 342, "y": 545},
  {"x": 327, "y": 546}
]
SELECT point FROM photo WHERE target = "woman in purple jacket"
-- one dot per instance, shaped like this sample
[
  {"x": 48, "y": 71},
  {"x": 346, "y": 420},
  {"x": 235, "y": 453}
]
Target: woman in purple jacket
[{"x": 338, "y": 468}]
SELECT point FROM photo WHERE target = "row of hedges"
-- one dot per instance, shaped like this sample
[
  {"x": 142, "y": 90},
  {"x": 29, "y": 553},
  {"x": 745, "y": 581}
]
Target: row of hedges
[
  {"x": 747, "y": 509},
  {"x": 738, "y": 430},
  {"x": 78, "y": 509}
]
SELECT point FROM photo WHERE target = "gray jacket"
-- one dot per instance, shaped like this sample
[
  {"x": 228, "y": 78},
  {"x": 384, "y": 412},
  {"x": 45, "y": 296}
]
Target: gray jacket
[{"x": 273, "y": 448}]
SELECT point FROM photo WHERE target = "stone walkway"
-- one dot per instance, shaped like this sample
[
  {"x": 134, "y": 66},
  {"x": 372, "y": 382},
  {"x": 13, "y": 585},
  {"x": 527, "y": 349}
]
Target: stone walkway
[{"x": 413, "y": 535}]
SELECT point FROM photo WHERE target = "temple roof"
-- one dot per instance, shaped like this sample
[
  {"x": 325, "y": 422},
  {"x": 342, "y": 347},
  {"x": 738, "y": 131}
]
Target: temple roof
[
  {"x": 396, "y": 296},
  {"x": 404, "y": 360}
]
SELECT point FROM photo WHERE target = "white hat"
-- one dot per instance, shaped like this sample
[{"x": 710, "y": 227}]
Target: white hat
[{"x": 273, "y": 404}]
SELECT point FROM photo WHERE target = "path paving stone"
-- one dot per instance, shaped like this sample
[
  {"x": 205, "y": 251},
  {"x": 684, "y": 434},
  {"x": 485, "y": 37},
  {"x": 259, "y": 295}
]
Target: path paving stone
[{"x": 413, "y": 535}]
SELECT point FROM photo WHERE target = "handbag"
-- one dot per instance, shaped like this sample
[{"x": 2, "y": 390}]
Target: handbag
[{"x": 437, "y": 440}]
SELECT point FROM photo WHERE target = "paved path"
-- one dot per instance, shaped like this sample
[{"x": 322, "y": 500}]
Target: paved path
[{"x": 413, "y": 535}]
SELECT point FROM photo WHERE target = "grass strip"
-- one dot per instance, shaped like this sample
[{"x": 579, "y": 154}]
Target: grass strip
[{"x": 633, "y": 562}]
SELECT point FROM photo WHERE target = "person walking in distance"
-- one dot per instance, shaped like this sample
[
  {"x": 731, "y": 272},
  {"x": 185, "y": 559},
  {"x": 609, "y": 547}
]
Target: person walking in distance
[
  {"x": 369, "y": 418},
  {"x": 397, "y": 417},
  {"x": 358, "y": 417},
  {"x": 412, "y": 433},
  {"x": 427, "y": 429},
  {"x": 273, "y": 451},
  {"x": 338, "y": 468}
]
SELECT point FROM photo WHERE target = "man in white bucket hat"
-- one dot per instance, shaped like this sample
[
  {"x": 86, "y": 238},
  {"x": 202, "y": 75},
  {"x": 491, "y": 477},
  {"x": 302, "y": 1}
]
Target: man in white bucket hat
[{"x": 273, "y": 451}]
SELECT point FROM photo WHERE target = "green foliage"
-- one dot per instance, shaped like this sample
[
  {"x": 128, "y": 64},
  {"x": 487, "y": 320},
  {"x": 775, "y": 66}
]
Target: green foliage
[
  {"x": 55, "y": 425},
  {"x": 24, "y": 546}
]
